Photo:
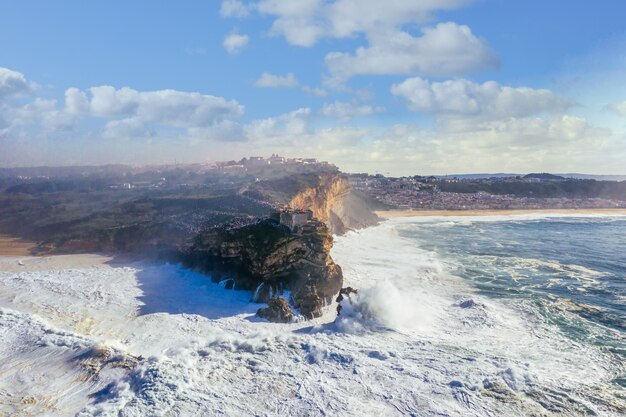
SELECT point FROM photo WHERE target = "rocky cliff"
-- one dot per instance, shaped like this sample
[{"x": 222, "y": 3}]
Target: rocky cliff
[
  {"x": 242, "y": 251},
  {"x": 272, "y": 261},
  {"x": 328, "y": 195}
]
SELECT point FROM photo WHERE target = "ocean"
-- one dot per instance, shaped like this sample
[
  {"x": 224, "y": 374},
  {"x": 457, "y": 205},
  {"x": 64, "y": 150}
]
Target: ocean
[
  {"x": 454, "y": 316},
  {"x": 571, "y": 272},
  {"x": 539, "y": 290}
]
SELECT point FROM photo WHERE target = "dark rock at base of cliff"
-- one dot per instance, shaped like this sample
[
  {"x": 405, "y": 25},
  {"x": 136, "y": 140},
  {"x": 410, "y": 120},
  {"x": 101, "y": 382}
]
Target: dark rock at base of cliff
[
  {"x": 269, "y": 258},
  {"x": 277, "y": 311},
  {"x": 344, "y": 293}
]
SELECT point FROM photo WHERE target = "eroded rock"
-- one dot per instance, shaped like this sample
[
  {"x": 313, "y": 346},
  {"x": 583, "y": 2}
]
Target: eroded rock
[
  {"x": 277, "y": 311},
  {"x": 269, "y": 259}
]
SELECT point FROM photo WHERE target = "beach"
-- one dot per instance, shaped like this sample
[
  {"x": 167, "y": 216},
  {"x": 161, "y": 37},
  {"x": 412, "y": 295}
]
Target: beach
[
  {"x": 389, "y": 214},
  {"x": 12, "y": 246}
]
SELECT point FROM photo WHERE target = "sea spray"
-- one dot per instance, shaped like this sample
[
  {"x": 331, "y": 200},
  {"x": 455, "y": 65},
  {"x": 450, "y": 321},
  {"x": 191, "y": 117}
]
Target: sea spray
[{"x": 384, "y": 304}]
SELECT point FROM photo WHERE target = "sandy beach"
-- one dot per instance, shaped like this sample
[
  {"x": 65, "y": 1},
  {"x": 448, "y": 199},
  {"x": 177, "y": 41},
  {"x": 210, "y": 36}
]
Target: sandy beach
[
  {"x": 15, "y": 256},
  {"x": 389, "y": 214},
  {"x": 18, "y": 263},
  {"x": 12, "y": 246}
]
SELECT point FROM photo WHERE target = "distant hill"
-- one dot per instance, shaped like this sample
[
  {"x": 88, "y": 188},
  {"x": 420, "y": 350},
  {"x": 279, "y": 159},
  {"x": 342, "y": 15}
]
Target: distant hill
[
  {"x": 545, "y": 176},
  {"x": 596, "y": 177},
  {"x": 508, "y": 175},
  {"x": 476, "y": 176}
]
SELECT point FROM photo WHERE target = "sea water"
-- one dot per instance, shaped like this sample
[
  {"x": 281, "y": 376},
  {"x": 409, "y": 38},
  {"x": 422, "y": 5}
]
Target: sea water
[
  {"x": 538, "y": 287},
  {"x": 570, "y": 271},
  {"x": 454, "y": 316}
]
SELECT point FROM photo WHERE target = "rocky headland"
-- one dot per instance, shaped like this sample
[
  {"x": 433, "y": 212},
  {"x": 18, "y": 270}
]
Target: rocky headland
[
  {"x": 274, "y": 263},
  {"x": 233, "y": 235}
]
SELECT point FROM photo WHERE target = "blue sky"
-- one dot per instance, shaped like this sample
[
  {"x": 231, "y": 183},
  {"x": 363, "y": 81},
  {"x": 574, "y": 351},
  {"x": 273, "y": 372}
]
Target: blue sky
[{"x": 440, "y": 86}]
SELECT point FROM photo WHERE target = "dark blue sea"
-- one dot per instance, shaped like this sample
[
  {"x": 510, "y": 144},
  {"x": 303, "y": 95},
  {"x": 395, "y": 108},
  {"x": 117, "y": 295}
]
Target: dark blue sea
[{"x": 571, "y": 270}]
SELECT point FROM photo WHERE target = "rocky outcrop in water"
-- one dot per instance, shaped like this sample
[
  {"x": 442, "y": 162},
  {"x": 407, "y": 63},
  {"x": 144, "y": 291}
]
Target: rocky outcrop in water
[
  {"x": 277, "y": 311},
  {"x": 345, "y": 293},
  {"x": 271, "y": 260}
]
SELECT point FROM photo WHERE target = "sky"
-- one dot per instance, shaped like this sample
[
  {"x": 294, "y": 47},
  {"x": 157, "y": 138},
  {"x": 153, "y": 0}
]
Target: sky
[{"x": 399, "y": 87}]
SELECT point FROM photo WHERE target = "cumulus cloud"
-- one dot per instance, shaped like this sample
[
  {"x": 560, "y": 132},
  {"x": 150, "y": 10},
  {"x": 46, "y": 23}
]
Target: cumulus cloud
[
  {"x": 268, "y": 80},
  {"x": 124, "y": 112},
  {"x": 343, "y": 110},
  {"x": 166, "y": 107},
  {"x": 235, "y": 8},
  {"x": 443, "y": 50},
  {"x": 516, "y": 144},
  {"x": 132, "y": 127},
  {"x": 618, "y": 108},
  {"x": 13, "y": 83},
  {"x": 561, "y": 142},
  {"x": 304, "y": 22},
  {"x": 314, "y": 91},
  {"x": 283, "y": 127},
  {"x": 23, "y": 119},
  {"x": 446, "y": 49},
  {"x": 76, "y": 101},
  {"x": 235, "y": 42},
  {"x": 489, "y": 100}
]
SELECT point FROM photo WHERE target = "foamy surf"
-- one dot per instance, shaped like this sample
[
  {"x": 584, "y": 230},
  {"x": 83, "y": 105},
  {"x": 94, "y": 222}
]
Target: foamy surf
[{"x": 417, "y": 340}]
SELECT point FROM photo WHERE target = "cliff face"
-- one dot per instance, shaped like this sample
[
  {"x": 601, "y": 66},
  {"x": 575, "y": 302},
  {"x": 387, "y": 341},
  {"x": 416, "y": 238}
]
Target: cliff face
[
  {"x": 334, "y": 202},
  {"x": 264, "y": 257},
  {"x": 272, "y": 261}
]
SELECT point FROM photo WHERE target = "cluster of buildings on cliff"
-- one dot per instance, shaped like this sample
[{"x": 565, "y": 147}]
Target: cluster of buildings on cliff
[
  {"x": 433, "y": 193},
  {"x": 255, "y": 162}
]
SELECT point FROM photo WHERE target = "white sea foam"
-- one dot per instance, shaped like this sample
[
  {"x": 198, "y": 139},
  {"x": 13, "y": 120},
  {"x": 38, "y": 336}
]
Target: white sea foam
[
  {"x": 416, "y": 341},
  {"x": 449, "y": 221}
]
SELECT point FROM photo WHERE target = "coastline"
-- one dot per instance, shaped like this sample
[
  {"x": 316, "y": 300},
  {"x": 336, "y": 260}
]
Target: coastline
[
  {"x": 29, "y": 263},
  {"x": 14, "y": 246},
  {"x": 390, "y": 214}
]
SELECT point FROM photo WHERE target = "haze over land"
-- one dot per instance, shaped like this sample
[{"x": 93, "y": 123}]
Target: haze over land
[
  {"x": 279, "y": 207},
  {"x": 400, "y": 87}
]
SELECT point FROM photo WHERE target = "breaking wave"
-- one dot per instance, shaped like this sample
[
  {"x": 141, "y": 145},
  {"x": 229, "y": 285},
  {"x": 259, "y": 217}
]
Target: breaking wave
[{"x": 442, "y": 324}]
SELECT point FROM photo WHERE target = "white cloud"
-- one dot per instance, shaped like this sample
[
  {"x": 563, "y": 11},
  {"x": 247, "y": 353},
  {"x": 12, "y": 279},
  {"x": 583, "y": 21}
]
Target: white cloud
[
  {"x": 76, "y": 101},
  {"x": 443, "y": 50},
  {"x": 166, "y": 107},
  {"x": 145, "y": 114},
  {"x": 130, "y": 128},
  {"x": 561, "y": 143},
  {"x": 235, "y": 42},
  {"x": 300, "y": 21},
  {"x": 125, "y": 112},
  {"x": 618, "y": 108},
  {"x": 268, "y": 80},
  {"x": 39, "y": 115},
  {"x": 342, "y": 110},
  {"x": 234, "y": 8},
  {"x": 223, "y": 131},
  {"x": 13, "y": 83},
  {"x": 446, "y": 49},
  {"x": 314, "y": 91},
  {"x": 304, "y": 22},
  {"x": 488, "y": 100},
  {"x": 287, "y": 126}
]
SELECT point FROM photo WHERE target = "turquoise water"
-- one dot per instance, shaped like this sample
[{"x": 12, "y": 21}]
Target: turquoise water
[{"x": 569, "y": 271}]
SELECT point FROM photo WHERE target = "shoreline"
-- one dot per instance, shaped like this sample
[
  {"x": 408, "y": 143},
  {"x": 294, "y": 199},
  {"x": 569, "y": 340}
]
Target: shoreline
[
  {"x": 390, "y": 214},
  {"x": 30, "y": 263},
  {"x": 14, "y": 246}
]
